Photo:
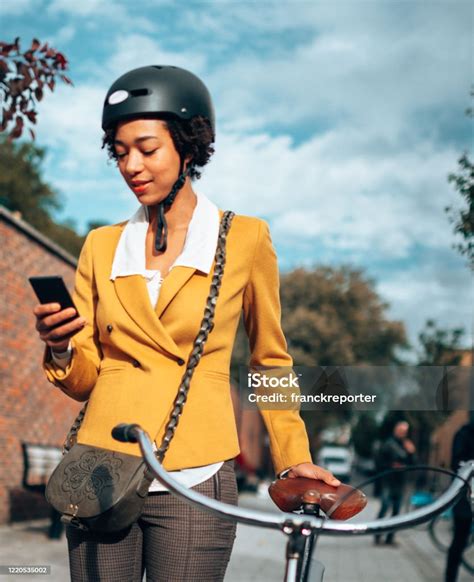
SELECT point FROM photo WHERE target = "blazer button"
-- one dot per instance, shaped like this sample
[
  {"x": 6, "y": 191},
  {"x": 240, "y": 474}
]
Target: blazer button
[
  {"x": 109, "y": 328},
  {"x": 136, "y": 364},
  {"x": 180, "y": 362}
]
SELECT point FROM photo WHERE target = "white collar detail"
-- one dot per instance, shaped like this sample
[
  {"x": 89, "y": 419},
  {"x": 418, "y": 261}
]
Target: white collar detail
[{"x": 199, "y": 246}]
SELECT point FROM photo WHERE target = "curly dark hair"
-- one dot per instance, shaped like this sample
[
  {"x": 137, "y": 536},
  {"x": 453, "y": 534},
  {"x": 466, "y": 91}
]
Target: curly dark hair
[{"x": 191, "y": 137}]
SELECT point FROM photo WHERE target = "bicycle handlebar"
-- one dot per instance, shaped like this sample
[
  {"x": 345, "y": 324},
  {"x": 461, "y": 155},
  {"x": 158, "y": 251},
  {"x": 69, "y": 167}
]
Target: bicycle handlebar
[
  {"x": 124, "y": 432},
  {"x": 281, "y": 520}
]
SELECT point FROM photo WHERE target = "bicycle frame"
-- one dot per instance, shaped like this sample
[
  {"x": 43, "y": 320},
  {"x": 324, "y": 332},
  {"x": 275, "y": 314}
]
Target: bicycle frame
[{"x": 298, "y": 527}]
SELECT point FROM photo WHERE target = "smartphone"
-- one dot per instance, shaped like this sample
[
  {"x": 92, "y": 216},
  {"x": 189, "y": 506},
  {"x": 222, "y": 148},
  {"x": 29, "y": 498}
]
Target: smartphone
[{"x": 53, "y": 290}]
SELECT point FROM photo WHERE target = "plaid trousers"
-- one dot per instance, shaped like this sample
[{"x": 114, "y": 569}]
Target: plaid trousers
[{"x": 172, "y": 541}]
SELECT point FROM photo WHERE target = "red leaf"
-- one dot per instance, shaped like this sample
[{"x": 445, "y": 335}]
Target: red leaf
[
  {"x": 7, "y": 115},
  {"x": 4, "y": 66},
  {"x": 15, "y": 87},
  {"x": 44, "y": 48},
  {"x": 18, "y": 129},
  {"x": 67, "y": 80},
  {"x": 32, "y": 133},
  {"x": 61, "y": 61},
  {"x": 35, "y": 44},
  {"x": 51, "y": 84},
  {"x": 7, "y": 49},
  {"x": 16, "y": 132},
  {"x": 39, "y": 93},
  {"x": 31, "y": 116},
  {"x": 25, "y": 71}
]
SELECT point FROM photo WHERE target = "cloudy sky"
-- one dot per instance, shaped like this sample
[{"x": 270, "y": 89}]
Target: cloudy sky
[{"x": 338, "y": 122}]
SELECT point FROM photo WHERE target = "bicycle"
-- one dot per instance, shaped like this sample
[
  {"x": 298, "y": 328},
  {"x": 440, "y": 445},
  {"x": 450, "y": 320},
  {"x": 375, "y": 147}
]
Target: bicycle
[
  {"x": 302, "y": 529},
  {"x": 441, "y": 529}
]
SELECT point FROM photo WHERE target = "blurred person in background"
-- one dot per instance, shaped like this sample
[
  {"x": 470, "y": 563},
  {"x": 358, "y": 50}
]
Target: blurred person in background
[{"x": 396, "y": 452}]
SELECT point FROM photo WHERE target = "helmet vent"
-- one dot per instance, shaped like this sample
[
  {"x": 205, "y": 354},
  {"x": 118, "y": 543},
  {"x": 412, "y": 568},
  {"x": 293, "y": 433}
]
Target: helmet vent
[
  {"x": 157, "y": 66},
  {"x": 139, "y": 92}
]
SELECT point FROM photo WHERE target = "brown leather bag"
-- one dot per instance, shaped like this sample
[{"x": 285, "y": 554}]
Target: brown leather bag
[{"x": 97, "y": 489}]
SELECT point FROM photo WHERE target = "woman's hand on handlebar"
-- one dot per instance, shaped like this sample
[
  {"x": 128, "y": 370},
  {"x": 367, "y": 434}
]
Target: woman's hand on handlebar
[
  {"x": 49, "y": 317},
  {"x": 313, "y": 472}
]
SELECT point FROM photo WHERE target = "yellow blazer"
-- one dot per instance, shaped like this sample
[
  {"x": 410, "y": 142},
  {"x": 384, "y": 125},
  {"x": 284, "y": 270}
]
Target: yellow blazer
[{"x": 129, "y": 359}]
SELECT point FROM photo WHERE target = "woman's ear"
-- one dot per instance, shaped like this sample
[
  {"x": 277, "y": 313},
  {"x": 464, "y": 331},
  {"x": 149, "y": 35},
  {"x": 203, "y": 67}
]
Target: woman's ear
[{"x": 187, "y": 161}]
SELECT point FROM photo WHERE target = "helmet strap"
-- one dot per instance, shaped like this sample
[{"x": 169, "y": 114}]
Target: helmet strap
[{"x": 162, "y": 228}]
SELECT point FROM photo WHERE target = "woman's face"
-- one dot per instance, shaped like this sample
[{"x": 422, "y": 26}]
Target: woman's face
[{"x": 147, "y": 158}]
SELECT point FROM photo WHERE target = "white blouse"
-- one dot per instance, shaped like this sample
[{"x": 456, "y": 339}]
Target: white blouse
[{"x": 130, "y": 259}]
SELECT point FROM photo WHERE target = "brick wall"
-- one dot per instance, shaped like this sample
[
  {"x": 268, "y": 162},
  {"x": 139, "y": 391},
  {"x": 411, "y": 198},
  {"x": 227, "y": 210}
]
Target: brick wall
[{"x": 31, "y": 409}]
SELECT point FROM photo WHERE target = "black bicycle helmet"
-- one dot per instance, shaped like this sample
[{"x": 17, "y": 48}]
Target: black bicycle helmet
[{"x": 160, "y": 90}]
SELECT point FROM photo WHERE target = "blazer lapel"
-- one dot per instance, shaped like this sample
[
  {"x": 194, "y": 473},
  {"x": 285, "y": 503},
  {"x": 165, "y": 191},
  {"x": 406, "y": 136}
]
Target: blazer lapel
[
  {"x": 133, "y": 294},
  {"x": 171, "y": 284},
  {"x": 174, "y": 281}
]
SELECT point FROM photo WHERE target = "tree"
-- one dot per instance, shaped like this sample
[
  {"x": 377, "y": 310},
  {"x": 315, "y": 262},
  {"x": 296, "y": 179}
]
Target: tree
[
  {"x": 440, "y": 346},
  {"x": 92, "y": 224},
  {"x": 23, "y": 189},
  {"x": 332, "y": 317},
  {"x": 23, "y": 77},
  {"x": 463, "y": 219},
  {"x": 335, "y": 317}
]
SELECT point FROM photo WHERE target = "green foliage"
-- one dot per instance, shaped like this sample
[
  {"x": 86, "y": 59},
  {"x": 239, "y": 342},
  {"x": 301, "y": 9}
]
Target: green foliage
[
  {"x": 332, "y": 317},
  {"x": 22, "y": 189},
  {"x": 92, "y": 224},
  {"x": 21, "y": 186},
  {"x": 335, "y": 317},
  {"x": 463, "y": 219},
  {"x": 440, "y": 346}
]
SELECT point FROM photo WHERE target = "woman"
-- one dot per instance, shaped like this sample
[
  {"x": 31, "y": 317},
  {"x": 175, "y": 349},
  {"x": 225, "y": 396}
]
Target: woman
[{"x": 140, "y": 290}]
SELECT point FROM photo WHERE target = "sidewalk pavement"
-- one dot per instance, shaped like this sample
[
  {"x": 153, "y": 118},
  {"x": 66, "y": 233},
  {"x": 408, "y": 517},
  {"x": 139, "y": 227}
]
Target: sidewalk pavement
[{"x": 258, "y": 554}]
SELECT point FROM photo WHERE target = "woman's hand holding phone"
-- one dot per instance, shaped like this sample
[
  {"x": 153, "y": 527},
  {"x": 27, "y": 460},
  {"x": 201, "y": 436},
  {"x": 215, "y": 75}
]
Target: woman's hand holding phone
[{"x": 55, "y": 326}]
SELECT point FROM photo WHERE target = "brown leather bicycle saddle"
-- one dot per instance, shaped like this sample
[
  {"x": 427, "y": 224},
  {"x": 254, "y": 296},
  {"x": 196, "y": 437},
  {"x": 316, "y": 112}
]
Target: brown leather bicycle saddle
[{"x": 342, "y": 502}]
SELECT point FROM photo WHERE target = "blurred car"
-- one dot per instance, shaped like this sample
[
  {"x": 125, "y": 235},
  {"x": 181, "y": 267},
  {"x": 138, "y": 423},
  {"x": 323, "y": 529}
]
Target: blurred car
[
  {"x": 365, "y": 466},
  {"x": 338, "y": 460}
]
